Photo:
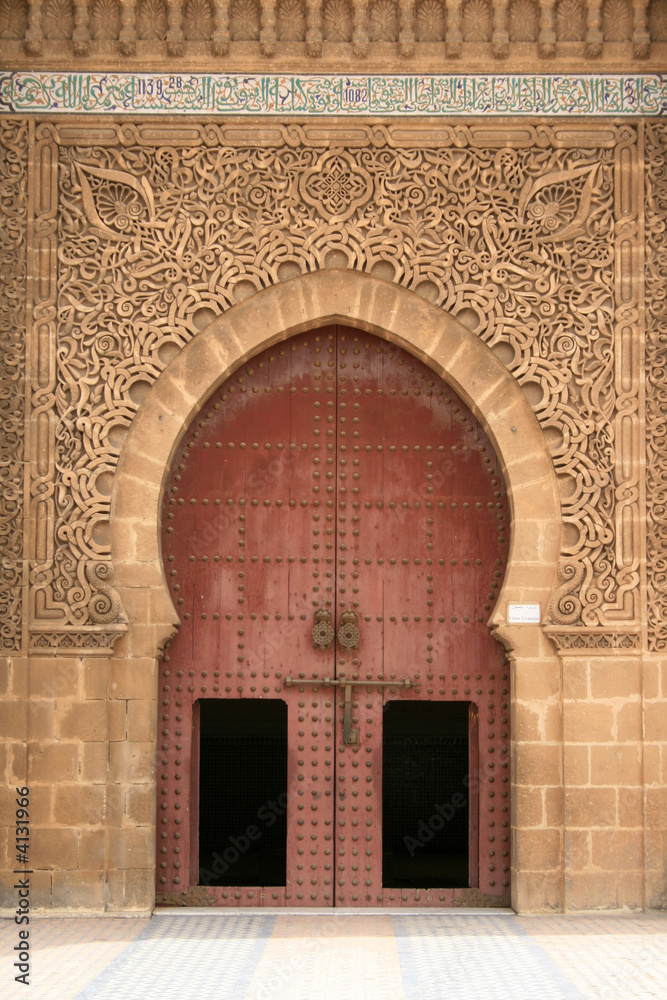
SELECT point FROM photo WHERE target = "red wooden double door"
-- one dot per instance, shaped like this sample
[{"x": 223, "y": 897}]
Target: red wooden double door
[{"x": 333, "y": 713}]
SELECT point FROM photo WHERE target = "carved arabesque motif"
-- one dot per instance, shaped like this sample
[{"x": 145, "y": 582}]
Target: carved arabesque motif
[
  {"x": 13, "y": 272},
  {"x": 656, "y": 368},
  {"x": 156, "y": 240}
]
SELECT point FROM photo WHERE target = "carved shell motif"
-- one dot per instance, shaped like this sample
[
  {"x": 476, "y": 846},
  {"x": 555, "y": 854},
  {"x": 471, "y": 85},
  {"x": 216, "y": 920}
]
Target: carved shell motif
[
  {"x": 13, "y": 18},
  {"x": 291, "y": 21},
  {"x": 476, "y": 21},
  {"x": 114, "y": 201},
  {"x": 430, "y": 21},
  {"x": 58, "y": 19},
  {"x": 523, "y": 21},
  {"x": 337, "y": 21},
  {"x": 105, "y": 20},
  {"x": 557, "y": 204},
  {"x": 383, "y": 21},
  {"x": 198, "y": 20}
]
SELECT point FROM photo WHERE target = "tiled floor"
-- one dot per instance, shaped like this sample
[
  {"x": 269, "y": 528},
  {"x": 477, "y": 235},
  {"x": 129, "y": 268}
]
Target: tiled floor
[{"x": 251, "y": 955}]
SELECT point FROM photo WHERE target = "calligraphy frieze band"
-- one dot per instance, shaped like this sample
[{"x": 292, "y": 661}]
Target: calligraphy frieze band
[{"x": 320, "y": 94}]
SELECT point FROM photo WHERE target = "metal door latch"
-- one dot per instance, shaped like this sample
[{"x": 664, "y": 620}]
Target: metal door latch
[{"x": 350, "y": 735}]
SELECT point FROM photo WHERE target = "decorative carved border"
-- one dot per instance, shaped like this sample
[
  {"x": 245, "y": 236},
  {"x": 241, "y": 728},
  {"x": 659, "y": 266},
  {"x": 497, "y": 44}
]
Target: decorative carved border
[
  {"x": 609, "y": 95},
  {"x": 249, "y": 33},
  {"x": 14, "y": 143},
  {"x": 656, "y": 377},
  {"x": 596, "y": 641},
  {"x": 147, "y": 232}
]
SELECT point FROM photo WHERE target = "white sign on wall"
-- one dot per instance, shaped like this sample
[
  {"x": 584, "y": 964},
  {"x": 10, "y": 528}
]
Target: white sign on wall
[{"x": 523, "y": 614}]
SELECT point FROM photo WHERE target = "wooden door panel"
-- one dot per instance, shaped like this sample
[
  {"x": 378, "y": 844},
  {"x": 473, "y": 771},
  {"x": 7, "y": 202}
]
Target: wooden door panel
[
  {"x": 430, "y": 560},
  {"x": 333, "y": 470}
]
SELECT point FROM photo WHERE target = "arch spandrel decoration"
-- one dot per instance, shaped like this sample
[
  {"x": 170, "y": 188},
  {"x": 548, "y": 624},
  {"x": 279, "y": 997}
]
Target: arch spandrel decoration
[
  {"x": 372, "y": 305},
  {"x": 156, "y": 238}
]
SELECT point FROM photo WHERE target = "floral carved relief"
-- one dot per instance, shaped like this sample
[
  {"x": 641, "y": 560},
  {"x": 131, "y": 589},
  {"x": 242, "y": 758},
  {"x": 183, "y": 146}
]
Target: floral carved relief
[
  {"x": 13, "y": 270},
  {"x": 529, "y": 246}
]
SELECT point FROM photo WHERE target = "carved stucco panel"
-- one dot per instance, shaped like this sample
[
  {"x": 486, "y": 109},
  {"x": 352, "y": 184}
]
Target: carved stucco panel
[
  {"x": 528, "y": 234},
  {"x": 14, "y": 142},
  {"x": 656, "y": 363}
]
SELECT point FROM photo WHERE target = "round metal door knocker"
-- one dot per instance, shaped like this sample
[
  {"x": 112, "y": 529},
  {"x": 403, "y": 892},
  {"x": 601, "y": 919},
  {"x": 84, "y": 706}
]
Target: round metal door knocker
[
  {"x": 348, "y": 630},
  {"x": 323, "y": 633}
]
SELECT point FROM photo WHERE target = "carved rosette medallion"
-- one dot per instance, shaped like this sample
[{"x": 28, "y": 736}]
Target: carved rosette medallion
[
  {"x": 527, "y": 236},
  {"x": 336, "y": 186}
]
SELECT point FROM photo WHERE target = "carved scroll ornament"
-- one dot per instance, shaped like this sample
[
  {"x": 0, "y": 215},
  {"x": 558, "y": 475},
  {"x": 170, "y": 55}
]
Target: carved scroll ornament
[{"x": 525, "y": 243}]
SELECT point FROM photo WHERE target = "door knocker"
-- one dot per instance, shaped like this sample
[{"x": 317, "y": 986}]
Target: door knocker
[
  {"x": 348, "y": 630},
  {"x": 323, "y": 633}
]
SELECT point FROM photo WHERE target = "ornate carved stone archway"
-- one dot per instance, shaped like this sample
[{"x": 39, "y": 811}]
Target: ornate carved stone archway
[{"x": 274, "y": 314}]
